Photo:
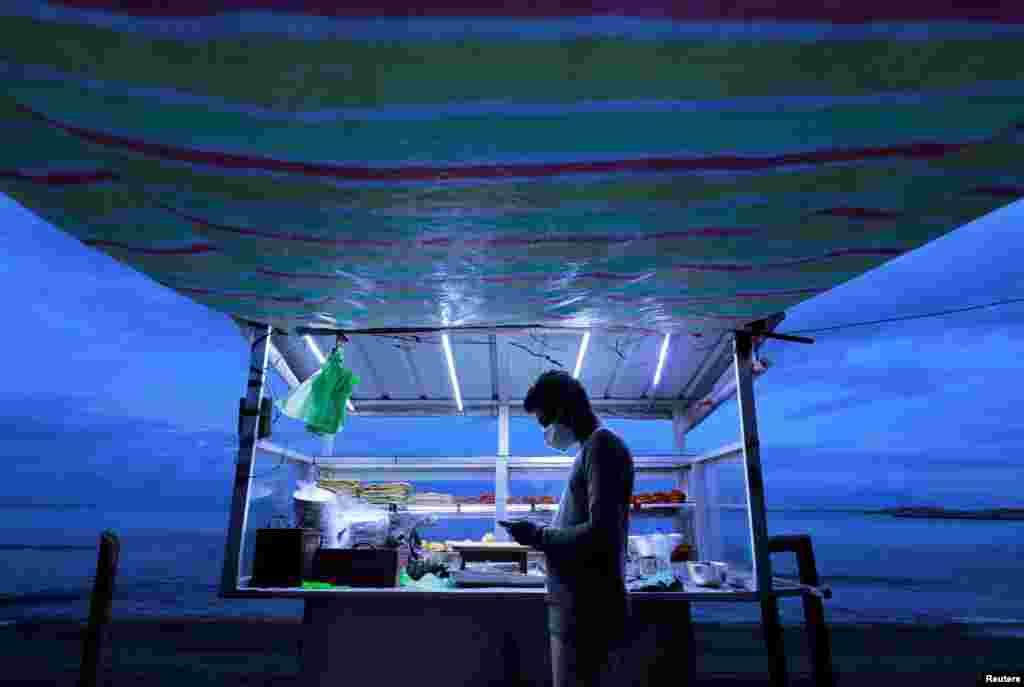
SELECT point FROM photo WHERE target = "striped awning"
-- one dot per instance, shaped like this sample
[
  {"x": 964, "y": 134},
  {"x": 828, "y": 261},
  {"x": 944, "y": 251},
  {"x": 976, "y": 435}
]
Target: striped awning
[{"x": 663, "y": 165}]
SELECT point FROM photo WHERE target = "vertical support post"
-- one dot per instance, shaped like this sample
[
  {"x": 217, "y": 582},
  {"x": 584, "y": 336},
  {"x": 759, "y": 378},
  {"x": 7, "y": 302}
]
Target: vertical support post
[
  {"x": 713, "y": 523},
  {"x": 698, "y": 494},
  {"x": 259, "y": 350},
  {"x": 772, "y": 628},
  {"x": 684, "y": 525},
  {"x": 683, "y": 520},
  {"x": 501, "y": 475}
]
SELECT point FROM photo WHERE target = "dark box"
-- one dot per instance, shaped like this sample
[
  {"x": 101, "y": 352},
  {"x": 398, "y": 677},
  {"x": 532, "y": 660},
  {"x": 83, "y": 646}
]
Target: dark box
[
  {"x": 284, "y": 556},
  {"x": 356, "y": 567}
]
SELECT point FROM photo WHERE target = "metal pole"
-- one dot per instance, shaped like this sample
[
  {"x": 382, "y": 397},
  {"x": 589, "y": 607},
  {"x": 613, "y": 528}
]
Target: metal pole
[
  {"x": 684, "y": 525},
  {"x": 501, "y": 475},
  {"x": 684, "y": 517},
  {"x": 259, "y": 352},
  {"x": 743, "y": 349}
]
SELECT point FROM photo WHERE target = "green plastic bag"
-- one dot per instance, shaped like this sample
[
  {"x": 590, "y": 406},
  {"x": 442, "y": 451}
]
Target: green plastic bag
[
  {"x": 321, "y": 401},
  {"x": 430, "y": 581}
]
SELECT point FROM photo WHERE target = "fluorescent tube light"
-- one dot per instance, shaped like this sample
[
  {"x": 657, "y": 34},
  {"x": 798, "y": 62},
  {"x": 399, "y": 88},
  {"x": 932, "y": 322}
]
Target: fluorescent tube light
[
  {"x": 315, "y": 349},
  {"x": 661, "y": 360},
  {"x": 451, "y": 369},
  {"x": 579, "y": 358}
]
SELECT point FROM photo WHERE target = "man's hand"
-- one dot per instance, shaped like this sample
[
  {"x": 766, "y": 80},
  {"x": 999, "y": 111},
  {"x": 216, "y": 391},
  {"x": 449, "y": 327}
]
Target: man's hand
[{"x": 523, "y": 531}]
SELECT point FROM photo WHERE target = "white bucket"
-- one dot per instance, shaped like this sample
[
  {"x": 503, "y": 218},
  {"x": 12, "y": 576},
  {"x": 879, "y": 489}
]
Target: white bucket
[{"x": 317, "y": 509}]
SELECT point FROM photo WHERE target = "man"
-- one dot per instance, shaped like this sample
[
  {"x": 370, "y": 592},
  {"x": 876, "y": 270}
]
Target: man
[{"x": 586, "y": 544}]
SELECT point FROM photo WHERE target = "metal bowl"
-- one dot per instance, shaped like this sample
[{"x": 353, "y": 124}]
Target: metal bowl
[{"x": 705, "y": 574}]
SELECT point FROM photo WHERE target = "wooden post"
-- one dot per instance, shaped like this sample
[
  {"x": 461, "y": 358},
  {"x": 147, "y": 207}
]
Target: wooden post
[
  {"x": 501, "y": 475},
  {"x": 743, "y": 350},
  {"x": 99, "y": 609},
  {"x": 818, "y": 638},
  {"x": 690, "y": 639},
  {"x": 259, "y": 351}
]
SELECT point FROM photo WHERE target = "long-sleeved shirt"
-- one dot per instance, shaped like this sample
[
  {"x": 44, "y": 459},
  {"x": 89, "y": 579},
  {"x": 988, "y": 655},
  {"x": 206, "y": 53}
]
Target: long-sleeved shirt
[{"x": 586, "y": 544}]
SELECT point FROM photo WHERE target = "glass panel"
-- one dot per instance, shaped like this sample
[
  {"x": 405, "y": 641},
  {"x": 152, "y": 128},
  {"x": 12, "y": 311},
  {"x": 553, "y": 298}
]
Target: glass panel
[
  {"x": 728, "y": 518},
  {"x": 426, "y": 437},
  {"x": 369, "y": 436},
  {"x": 270, "y": 495},
  {"x": 644, "y": 437},
  {"x": 653, "y": 521},
  {"x": 535, "y": 494},
  {"x": 526, "y": 438}
]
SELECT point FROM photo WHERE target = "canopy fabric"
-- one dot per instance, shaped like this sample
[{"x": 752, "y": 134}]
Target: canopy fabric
[{"x": 663, "y": 165}]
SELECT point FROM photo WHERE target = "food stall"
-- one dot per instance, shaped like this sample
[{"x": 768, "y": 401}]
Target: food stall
[
  {"x": 461, "y": 198},
  {"x": 489, "y": 620}
]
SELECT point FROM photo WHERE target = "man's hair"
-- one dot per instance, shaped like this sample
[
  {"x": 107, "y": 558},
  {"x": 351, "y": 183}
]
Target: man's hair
[{"x": 556, "y": 390}]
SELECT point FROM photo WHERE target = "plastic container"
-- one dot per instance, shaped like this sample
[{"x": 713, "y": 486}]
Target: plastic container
[
  {"x": 642, "y": 546},
  {"x": 662, "y": 551}
]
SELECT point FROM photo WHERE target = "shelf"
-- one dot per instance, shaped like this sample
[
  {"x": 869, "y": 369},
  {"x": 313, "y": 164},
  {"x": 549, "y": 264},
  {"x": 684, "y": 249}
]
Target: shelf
[
  {"x": 486, "y": 510},
  {"x": 477, "y": 509}
]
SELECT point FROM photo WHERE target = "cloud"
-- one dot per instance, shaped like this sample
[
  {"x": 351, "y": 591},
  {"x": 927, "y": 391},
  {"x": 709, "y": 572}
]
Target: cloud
[
  {"x": 57, "y": 285},
  {"x": 827, "y": 407},
  {"x": 64, "y": 448},
  {"x": 974, "y": 264},
  {"x": 860, "y": 385},
  {"x": 993, "y": 433}
]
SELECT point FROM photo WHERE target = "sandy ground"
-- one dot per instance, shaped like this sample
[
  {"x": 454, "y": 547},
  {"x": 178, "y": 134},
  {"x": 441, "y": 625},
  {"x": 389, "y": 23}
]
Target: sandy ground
[{"x": 197, "y": 653}]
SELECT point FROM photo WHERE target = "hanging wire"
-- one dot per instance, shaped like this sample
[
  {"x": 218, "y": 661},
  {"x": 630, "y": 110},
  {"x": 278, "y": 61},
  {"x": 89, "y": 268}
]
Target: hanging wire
[{"x": 908, "y": 317}]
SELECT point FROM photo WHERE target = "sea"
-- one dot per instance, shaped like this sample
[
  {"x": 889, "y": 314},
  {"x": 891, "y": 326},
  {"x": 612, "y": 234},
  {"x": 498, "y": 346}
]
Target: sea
[{"x": 880, "y": 568}]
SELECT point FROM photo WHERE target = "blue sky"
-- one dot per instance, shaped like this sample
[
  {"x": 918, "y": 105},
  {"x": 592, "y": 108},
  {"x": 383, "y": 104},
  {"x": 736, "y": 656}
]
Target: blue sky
[{"x": 117, "y": 388}]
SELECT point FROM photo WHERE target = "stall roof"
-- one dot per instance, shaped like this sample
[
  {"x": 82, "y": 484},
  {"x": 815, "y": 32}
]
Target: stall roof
[
  {"x": 681, "y": 168},
  {"x": 408, "y": 374}
]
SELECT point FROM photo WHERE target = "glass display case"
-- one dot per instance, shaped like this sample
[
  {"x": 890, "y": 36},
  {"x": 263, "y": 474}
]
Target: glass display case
[{"x": 461, "y": 494}]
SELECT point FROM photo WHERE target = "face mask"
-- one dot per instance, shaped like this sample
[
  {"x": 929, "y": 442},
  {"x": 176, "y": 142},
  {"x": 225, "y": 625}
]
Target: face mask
[{"x": 558, "y": 436}]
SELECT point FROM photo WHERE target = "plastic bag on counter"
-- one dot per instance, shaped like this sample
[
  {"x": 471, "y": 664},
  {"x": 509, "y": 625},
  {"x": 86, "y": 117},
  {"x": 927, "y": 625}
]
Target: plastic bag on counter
[
  {"x": 361, "y": 523},
  {"x": 403, "y": 524},
  {"x": 428, "y": 581}
]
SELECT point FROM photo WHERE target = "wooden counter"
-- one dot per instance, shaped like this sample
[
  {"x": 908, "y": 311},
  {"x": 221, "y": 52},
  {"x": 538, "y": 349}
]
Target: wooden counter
[{"x": 475, "y": 636}]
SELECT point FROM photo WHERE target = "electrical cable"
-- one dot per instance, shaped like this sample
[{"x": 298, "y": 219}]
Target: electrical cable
[{"x": 907, "y": 317}]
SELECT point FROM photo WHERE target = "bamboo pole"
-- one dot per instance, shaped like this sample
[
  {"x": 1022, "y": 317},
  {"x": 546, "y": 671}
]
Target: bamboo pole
[{"x": 99, "y": 609}]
